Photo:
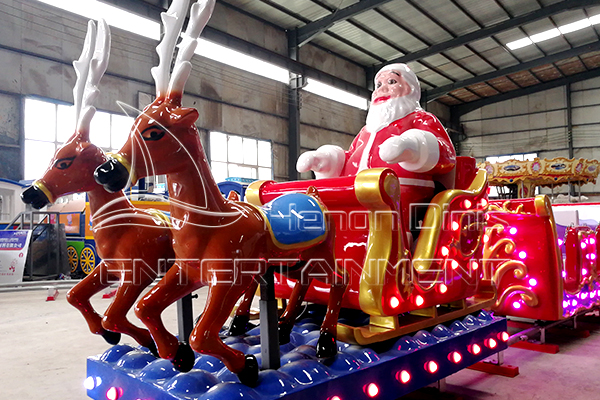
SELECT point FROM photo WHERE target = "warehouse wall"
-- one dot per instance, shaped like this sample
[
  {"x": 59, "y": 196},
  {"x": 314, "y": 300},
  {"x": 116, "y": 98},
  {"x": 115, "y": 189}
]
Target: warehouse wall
[
  {"x": 538, "y": 123},
  {"x": 39, "y": 42}
]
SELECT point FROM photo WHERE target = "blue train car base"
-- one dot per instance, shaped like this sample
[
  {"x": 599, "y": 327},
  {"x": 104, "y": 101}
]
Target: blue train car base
[{"x": 382, "y": 371}]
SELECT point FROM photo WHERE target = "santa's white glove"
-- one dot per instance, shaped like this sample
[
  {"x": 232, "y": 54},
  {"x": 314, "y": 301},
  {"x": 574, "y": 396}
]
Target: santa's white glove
[
  {"x": 327, "y": 161},
  {"x": 415, "y": 150}
]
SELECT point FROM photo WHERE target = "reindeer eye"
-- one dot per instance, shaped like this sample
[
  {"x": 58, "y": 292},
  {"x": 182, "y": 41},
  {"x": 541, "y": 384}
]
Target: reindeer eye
[
  {"x": 64, "y": 163},
  {"x": 153, "y": 132}
]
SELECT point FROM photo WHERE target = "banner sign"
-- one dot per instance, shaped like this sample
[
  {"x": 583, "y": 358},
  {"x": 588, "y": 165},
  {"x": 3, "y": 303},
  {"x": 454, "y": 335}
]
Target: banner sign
[{"x": 13, "y": 253}]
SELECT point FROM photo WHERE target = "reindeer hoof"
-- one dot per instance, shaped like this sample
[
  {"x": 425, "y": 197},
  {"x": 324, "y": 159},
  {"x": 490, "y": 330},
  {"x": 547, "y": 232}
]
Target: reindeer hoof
[
  {"x": 111, "y": 337},
  {"x": 249, "y": 375},
  {"x": 285, "y": 331},
  {"x": 239, "y": 325},
  {"x": 326, "y": 346},
  {"x": 184, "y": 358}
]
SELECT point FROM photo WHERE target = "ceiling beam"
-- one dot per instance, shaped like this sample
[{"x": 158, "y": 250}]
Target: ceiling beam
[
  {"x": 463, "y": 109},
  {"x": 574, "y": 52},
  {"x": 494, "y": 29},
  {"x": 307, "y": 32}
]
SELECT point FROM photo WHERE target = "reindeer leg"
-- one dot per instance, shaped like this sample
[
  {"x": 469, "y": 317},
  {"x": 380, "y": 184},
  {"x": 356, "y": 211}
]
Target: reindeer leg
[
  {"x": 326, "y": 346},
  {"x": 288, "y": 318},
  {"x": 205, "y": 336},
  {"x": 115, "y": 317},
  {"x": 179, "y": 281},
  {"x": 79, "y": 297},
  {"x": 239, "y": 323}
]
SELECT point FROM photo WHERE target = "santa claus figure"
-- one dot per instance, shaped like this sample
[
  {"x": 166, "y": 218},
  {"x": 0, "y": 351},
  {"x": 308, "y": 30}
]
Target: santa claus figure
[{"x": 399, "y": 135}]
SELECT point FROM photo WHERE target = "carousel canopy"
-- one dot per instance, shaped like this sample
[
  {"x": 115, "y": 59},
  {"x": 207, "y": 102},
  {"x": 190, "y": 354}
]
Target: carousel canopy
[{"x": 544, "y": 172}]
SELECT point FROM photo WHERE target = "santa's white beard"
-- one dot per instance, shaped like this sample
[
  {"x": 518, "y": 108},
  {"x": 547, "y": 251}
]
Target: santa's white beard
[{"x": 381, "y": 115}]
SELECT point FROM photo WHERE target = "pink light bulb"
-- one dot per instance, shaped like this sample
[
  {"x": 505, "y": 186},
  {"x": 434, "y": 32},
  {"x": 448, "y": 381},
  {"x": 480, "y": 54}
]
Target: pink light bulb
[
  {"x": 532, "y": 282},
  {"x": 512, "y": 230},
  {"x": 592, "y": 241},
  {"x": 517, "y": 305},
  {"x": 584, "y": 271},
  {"x": 583, "y": 245},
  {"x": 574, "y": 302},
  {"x": 522, "y": 255},
  {"x": 565, "y": 304}
]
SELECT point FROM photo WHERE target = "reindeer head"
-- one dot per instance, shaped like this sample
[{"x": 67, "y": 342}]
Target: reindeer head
[
  {"x": 72, "y": 167},
  {"x": 164, "y": 130}
]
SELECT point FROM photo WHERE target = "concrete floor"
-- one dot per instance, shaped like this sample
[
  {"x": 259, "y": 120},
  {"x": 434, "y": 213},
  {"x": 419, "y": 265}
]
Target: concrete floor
[{"x": 45, "y": 345}]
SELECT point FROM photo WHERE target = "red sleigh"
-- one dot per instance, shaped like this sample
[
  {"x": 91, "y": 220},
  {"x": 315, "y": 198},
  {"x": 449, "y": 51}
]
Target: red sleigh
[
  {"x": 402, "y": 288},
  {"x": 552, "y": 276}
]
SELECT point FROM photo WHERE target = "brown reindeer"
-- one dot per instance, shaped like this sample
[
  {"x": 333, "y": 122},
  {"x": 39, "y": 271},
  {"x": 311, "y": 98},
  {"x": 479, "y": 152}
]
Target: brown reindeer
[
  {"x": 220, "y": 243},
  {"x": 131, "y": 242}
]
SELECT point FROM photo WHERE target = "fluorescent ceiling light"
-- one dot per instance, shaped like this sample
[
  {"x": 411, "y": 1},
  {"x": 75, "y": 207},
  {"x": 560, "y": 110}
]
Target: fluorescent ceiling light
[
  {"x": 138, "y": 25},
  {"x": 242, "y": 61},
  {"x": 517, "y": 44},
  {"x": 113, "y": 16},
  {"x": 336, "y": 94},
  {"x": 575, "y": 26},
  {"x": 551, "y": 33}
]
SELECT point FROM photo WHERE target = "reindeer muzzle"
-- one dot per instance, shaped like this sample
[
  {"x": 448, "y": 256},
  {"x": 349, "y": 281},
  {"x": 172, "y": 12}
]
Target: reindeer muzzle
[
  {"x": 35, "y": 196},
  {"x": 112, "y": 175}
]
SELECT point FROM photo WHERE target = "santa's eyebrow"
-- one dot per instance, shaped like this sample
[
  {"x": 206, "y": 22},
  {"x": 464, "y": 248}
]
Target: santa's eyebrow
[{"x": 394, "y": 72}]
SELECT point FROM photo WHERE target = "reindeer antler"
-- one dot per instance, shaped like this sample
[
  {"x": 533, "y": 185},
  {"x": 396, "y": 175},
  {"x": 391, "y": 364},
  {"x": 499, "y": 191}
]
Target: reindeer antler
[
  {"x": 199, "y": 16},
  {"x": 173, "y": 20},
  {"x": 90, "y": 68}
]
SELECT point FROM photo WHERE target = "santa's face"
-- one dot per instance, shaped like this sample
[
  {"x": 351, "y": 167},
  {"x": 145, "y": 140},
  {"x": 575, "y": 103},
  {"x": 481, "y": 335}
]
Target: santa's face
[
  {"x": 392, "y": 99},
  {"x": 389, "y": 85}
]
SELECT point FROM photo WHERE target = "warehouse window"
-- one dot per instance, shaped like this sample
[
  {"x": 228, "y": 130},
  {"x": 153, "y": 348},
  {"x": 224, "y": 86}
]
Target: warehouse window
[
  {"x": 240, "y": 157},
  {"x": 49, "y": 124},
  {"x": 499, "y": 159}
]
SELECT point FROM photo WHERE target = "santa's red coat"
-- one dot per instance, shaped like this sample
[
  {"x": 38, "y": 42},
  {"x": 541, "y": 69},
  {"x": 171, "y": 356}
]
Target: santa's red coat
[{"x": 415, "y": 187}]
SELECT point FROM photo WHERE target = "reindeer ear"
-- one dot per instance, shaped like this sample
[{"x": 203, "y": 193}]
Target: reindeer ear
[{"x": 187, "y": 116}]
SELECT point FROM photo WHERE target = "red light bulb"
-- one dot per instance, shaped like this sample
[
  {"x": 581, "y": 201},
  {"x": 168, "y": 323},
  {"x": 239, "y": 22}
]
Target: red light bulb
[
  {"x": 403, "y": 376},
  {"x": 372, "y": 390},
  {"x": 114, "y": 393},
  {"x": 431, "y": 366},
  {"x": 455, "y": 357}
]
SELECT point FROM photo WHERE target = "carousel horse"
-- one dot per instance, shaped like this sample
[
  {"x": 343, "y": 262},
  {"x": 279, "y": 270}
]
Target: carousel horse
[
  {"x": 224, "y": 244},
  {"x": 131, "y": 242}
]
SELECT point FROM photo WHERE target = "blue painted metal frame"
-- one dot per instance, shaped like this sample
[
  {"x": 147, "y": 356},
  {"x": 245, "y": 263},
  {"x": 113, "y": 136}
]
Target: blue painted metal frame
[{"x": 136, "y": 374}]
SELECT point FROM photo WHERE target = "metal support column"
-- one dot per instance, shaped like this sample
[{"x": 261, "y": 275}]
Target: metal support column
[
  {"x": 185, "y": 317},
  {"x": 296, "y": 82},
  {"x": 570, "y": 133},
  {"x": 269, "y": 335}
]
